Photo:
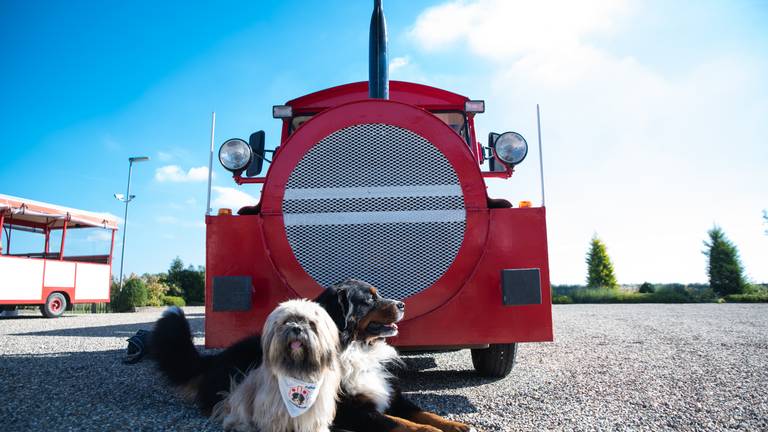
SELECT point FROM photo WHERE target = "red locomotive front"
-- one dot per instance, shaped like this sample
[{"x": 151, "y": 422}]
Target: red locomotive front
[{"x": 383, "y": 183}]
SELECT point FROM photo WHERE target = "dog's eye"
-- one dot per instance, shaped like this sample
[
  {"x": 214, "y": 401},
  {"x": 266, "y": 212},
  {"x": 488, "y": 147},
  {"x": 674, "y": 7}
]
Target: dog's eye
[{"x": 313, "y": 325}]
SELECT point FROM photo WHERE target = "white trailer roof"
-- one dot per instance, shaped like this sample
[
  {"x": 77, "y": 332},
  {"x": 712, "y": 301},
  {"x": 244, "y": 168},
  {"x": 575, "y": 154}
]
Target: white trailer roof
[{"x": 52, "y": 215}]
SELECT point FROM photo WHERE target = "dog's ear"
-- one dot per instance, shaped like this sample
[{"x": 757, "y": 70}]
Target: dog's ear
[
  {"x": 349, "y": 326},
  {"x": 334, "y": 301}
]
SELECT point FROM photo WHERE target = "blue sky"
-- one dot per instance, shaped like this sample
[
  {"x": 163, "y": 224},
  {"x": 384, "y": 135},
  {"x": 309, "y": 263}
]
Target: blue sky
[{"x": 655, "y": 114}]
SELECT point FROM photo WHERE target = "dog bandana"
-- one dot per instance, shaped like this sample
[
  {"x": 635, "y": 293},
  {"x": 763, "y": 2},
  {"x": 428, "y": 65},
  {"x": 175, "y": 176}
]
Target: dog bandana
[{"x": 298, "y": 396}]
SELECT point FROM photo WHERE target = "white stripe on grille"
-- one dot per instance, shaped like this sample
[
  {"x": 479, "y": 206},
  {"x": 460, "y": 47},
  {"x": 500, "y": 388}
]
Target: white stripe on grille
[
  {"x": 362, "y": 218},
  {"x": 373, "y": 192}
]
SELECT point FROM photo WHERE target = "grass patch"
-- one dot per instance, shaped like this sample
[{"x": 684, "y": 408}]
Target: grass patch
[
  {"x": 761, "y": 297},
  {"x": 561, "y": 299},
  {"x": 606, "y": 295},
  {"x": 662, "y": 294}
]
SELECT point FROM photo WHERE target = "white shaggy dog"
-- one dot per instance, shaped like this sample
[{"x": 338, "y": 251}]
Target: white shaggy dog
[{"x": 295, "y": 388}]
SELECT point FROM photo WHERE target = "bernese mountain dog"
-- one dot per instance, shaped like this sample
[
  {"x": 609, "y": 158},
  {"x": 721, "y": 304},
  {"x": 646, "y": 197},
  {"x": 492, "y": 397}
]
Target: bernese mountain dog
[{"x": 370, "y": 399}]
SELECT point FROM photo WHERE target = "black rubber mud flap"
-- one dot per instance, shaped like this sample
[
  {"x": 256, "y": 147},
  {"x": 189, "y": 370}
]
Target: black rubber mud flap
[
  {"x": 520, "y": 287},
  {"x": 232, "y": 293}
]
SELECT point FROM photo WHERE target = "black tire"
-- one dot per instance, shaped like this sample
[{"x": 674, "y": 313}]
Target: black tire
[
  {"x": 54, "y": 306},
  {"x": 495, "y": 361}
]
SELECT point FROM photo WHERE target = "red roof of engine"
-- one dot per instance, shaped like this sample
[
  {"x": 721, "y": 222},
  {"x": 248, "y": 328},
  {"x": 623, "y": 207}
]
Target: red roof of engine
[{"x": 407, "y": 92}]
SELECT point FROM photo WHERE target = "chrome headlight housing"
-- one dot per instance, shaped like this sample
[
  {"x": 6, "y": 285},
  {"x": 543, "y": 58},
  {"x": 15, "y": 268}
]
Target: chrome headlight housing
[
  {"x": 511, "y": 148},
  {"x": 235, "y": 154}
]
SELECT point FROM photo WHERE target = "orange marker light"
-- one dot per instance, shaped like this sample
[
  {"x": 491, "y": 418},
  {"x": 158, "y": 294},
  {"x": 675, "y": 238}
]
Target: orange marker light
[
  {"x": 225, "y": 212},
  {"x": 524, "y": 204}
]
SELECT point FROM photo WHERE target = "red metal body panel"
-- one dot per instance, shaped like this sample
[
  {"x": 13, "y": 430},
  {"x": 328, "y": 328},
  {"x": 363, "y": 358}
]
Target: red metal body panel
[
  {"x": 235, "y": 247},
  {"x": 473, "y": 315},
  {"x": 476, "y": 315}
]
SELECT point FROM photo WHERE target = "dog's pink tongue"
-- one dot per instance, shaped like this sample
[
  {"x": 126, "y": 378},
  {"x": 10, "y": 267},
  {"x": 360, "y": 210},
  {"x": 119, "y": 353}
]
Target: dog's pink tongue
[{"x": 295, "y": 345}]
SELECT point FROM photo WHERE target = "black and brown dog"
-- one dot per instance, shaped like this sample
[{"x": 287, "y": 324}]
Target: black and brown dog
[{"x": 370, "y": 398}]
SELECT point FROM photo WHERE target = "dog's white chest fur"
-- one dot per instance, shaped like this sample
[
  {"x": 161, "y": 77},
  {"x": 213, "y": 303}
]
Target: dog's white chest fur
[{"x": 363, "y": 370}]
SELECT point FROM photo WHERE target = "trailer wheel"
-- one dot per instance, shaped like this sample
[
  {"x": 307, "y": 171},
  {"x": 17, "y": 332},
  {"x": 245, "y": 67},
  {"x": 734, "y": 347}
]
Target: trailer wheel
[
  {"x": 495, "y": 361},
  {"x": 54, "y": 306}
]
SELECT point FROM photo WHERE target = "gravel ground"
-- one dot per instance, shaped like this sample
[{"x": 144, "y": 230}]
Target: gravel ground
[{"x": 613, "y": 367}]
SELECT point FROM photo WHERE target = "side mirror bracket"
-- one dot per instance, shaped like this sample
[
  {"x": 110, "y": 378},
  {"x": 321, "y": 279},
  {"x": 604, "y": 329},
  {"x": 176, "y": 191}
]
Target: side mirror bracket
[{"x": 494, "y": 165}]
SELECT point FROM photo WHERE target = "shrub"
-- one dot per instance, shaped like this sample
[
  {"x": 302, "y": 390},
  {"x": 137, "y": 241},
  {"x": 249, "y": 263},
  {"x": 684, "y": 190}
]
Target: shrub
[
  {"x": 726, "y": 274},
  {"x": 667, "y": 295},
  {"x": 565, "y": 290},
  {"x": 156, "y": 289},
  {"x": 133, "y": 295},
  {"x": 561, "y": 299},
  {"x": 599, "y": 267},
  {"x": 761, "y": 297},
  {"x": 174, "y": 301},
  {"x": 675, "y": 293},
  {"x": 646, "y": 288}
]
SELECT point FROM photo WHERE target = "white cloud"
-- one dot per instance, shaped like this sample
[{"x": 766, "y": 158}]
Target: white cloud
[
  {"x": 174, "y": 173},
  {"x": 631, "y": 152},
  {"x": 227, "y": 197},
  {"x": 164, "y": 156},
  {"x": 499, "y": 29},
  {"x": 398, "y": 63}
]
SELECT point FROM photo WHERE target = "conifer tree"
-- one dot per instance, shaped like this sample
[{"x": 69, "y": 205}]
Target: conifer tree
[
  {"x": 599, "y": 267},
  {"x": 726, "y": 274}
]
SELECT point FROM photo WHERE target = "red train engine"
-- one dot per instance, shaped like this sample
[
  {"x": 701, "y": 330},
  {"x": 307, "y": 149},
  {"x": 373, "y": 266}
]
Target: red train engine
[{"x": 382, "y": 182}]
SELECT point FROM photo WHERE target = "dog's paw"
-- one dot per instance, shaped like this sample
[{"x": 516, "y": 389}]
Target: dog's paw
[
  {"x": 173, "y": 310},
  {"x": 452, "y": 426}
]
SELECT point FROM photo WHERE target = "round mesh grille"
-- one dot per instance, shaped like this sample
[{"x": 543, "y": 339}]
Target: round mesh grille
[{"x": 375, "y": 202}]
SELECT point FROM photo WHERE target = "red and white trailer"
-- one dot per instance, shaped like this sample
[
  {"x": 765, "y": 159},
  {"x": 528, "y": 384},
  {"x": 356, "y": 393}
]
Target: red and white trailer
[{"x": 49, "y": 276}]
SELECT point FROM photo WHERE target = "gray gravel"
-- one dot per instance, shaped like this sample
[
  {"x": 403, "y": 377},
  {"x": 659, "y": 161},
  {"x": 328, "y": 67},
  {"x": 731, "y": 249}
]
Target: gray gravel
[{"x": 613, "y": 367}]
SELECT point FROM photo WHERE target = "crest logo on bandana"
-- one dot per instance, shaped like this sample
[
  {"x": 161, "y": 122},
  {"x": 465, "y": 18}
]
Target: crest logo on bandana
[{"x": 298, "y": 395}]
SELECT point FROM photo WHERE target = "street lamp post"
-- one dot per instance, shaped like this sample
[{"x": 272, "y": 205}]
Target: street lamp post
[{"x": 126, "y": 199}]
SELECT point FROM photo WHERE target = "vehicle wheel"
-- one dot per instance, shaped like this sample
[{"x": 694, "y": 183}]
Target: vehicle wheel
[
  {"x": 54, "y": 306},
  {"x": 495, "y": 361}
]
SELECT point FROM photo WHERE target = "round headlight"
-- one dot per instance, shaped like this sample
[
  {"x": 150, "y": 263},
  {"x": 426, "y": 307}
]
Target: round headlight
[
  {"x": 511, "y": 148},
  {"x": 235, "y": 154}
]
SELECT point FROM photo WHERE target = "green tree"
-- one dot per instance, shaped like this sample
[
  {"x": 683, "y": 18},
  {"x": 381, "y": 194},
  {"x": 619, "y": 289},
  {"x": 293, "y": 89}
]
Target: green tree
[
  {"x": 188, "y": 283},
  {"x": 599, "y": 267},
  {"x": 133, "y": 295},
  {"x": 726, "y": 274}
]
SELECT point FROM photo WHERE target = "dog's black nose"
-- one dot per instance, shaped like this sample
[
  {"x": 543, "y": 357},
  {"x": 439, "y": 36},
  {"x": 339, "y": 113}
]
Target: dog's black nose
[
  {"x": 400, "y": 305},
  {"x": 296, "y": 330}
]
